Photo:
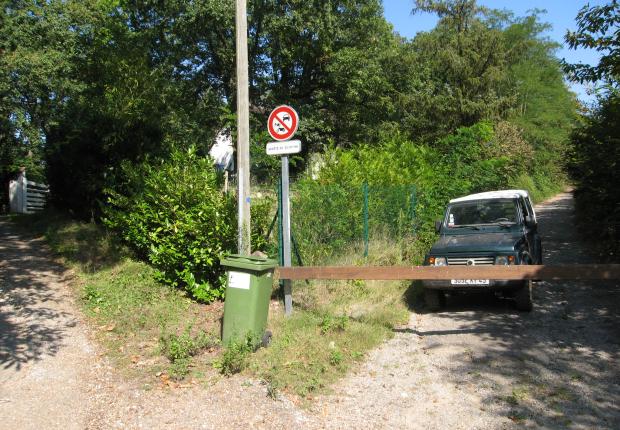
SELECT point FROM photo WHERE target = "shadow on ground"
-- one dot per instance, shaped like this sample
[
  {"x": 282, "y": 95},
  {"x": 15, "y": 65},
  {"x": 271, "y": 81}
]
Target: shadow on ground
[{"x": 29, "y": 327}]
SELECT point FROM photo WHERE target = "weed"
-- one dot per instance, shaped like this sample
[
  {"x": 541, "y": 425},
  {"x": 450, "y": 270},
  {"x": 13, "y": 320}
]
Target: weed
[
  {"x": 177, "y": 347},
  {"x": 273, "y": 388},
  {"x": 335, "y": 357},
  {"x": 311, "y": 386},
  {"x": 179, "y": 368},
  {"x": 180, "y": 348},
  {"x": 469, "y": 353},
  {"x": 234, "y": 359},
  {"x": 92, "y": 296},
  {"x": 563, "y": 394},
  {"x": 518, "y": 395},
  {"x": 576, "y": 377},
  {"x": 330, "y": 323},
  {"x": 360, "y": 288},
  {"x": 517, "y": 417}
]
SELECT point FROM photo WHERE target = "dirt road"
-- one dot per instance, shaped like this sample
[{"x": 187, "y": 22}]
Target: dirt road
[{"x": 479, "y": 364}]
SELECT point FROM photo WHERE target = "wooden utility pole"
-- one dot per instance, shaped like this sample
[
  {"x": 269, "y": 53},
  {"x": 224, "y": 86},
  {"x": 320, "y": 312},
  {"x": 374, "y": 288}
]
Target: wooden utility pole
[{"x": 243, "y": 130}]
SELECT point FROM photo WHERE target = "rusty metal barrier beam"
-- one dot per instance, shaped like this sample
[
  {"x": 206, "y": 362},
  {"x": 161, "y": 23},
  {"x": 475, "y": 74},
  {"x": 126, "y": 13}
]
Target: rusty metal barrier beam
[{"x": 389, "y": 273}]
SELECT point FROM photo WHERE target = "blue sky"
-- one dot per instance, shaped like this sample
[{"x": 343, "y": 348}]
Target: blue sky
[{"x": 560, "y": 14}]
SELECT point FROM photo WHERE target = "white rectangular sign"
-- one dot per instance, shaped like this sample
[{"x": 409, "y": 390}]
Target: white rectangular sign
[
  {"x": 239, "y": 280},
  {"x": 284, "y": 148}
]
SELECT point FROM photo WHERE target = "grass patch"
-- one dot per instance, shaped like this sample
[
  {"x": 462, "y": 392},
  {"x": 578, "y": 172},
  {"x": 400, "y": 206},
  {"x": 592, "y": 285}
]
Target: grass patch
[
  {"x": 540, "y": 187},
  {"x": 519, "y": 395},
  {"x": 333, "y": 326},
  {"x": 181, "y": 348},
  {"x": 85, "y": 246},
  {"x": 328, "y": 334},
  {"x": 303, "y": 360}
]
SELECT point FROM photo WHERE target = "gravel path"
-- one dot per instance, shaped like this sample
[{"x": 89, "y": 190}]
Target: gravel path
[{"x": 477, "y": 365}]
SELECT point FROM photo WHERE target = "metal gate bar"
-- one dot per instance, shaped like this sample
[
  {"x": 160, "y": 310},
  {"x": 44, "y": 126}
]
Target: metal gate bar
[{"x": 387, "y": 273}]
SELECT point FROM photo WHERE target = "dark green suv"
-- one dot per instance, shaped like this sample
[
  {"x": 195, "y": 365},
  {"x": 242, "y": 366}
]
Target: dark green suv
[{"x": 496, "y": 227}]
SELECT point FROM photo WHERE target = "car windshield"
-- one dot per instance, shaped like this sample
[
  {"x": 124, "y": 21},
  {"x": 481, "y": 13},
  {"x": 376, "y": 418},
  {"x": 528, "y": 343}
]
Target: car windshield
[{"x": 482, "y": 212}]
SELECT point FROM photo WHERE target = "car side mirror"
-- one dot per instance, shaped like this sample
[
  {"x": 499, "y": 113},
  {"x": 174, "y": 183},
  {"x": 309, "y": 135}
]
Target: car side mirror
[
  {"x": 437, "y": 226},
  {"x": 529, "y": 221}
]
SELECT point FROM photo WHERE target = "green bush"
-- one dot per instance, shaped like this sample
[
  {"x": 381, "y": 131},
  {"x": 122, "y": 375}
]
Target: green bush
[
  {"x": 173, "y": 214},
  {"x": 594, "y": 167}
]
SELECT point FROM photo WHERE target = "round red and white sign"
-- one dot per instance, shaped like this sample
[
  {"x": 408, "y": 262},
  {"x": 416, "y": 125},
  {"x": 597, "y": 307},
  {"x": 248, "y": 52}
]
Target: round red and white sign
[{"x": 283, "y": 122}]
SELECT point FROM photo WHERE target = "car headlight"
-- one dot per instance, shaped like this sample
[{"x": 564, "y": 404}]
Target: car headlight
[
  {"x": 437, "y": 261},
  {"x": 504, "y": 260}
]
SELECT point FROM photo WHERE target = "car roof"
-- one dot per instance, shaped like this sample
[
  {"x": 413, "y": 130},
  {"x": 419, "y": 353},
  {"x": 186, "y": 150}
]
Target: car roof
[{"x": 501, "y": 194}]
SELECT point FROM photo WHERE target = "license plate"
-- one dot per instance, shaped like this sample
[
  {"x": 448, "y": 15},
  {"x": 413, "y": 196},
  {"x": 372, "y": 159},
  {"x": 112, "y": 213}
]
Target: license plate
[{"x": 469, "y": 282}]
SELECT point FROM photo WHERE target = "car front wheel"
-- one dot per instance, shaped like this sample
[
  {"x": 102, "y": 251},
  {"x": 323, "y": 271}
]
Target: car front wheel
[
  {"x": 523, "y": 297},
  {"x": 435, "y": 299}
]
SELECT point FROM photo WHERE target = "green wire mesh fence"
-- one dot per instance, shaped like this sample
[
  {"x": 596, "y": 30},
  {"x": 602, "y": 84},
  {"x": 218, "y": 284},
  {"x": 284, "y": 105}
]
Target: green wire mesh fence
[{"x": 330, "y": 221}]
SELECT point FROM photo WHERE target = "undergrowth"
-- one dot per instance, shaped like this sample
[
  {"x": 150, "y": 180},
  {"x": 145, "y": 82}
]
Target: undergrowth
[
  {"x": 234, "y": 357},
  {"x": 333, "y": 326}
]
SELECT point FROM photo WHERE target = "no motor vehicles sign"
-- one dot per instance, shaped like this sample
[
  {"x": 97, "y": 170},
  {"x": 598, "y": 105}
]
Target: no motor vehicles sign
[{"x": 282, "y": 123}]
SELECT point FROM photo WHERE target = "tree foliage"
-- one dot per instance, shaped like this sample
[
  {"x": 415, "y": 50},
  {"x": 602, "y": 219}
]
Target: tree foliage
[
  {"x": 598, "y": 29},
  {"x": 596, "y": 149}
]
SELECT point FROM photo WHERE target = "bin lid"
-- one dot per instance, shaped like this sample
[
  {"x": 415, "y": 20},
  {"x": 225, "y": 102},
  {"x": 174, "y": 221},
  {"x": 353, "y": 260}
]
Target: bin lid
[{"x": 248, "y": 262}]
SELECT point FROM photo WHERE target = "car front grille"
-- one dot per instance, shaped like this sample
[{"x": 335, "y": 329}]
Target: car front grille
[{"x": 474, "y": 261}]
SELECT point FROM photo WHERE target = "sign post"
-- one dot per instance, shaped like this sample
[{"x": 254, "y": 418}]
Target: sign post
[
  {"x": 286, "y": 236},
  {"x": 282, "y": 125}
]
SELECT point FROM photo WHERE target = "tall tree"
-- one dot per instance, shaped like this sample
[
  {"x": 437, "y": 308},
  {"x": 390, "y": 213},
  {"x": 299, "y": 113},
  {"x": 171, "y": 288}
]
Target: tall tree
[
  {"x": 38, "y": 46},
  {"x": 466, "y": 58},
  {"x": 545, "y": 108}
]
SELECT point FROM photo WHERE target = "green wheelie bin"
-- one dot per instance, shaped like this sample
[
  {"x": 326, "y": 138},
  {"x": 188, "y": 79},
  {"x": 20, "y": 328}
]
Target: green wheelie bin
[{"x": 247, "y": 298}]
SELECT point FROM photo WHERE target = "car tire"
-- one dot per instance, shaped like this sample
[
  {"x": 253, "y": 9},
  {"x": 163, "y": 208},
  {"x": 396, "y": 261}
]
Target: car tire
[
  {"x": 435, "y": 299},
  {"x": 523, "y": 297}
]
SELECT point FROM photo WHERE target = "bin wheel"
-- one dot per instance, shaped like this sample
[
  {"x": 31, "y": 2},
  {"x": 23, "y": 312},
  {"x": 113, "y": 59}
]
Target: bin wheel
[{"x": 266, "y": 340}]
